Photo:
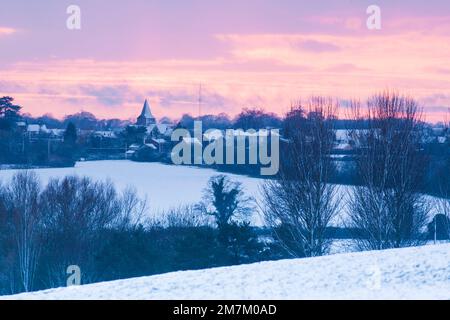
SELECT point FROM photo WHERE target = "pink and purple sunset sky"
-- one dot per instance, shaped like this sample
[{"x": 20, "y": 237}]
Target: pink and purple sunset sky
[{"x": 244, "y": 53}]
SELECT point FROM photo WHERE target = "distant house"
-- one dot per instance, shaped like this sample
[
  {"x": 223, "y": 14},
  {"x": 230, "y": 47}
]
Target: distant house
[
  {"x": 129, "y": 154},
  {"x": 132, "y": 150},
  {"x": 162, "y": 144},
  {"x": 159, "y": 131},
  {"x": 149, "y": 146},
  {"x": 56, "y": 133},
  {"x": 134, "y": 146},
  {"x": 348, "y": 140},
  {"x": 344, "y": 140},
  {"x": 442, "y": 139},
  {"x": 36, "y": 129},
  {"x": 165, "y": 129},
  {"x": 143, "y": 152},
  {"x": 438, "y": 134},
  {"x": 105, "y": 134}
]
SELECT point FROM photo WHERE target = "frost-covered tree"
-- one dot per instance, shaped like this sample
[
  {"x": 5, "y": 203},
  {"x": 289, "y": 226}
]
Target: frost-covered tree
[
  {"x": 300, "y": 203},
  {"x": 21, "y": 203},
  {"x": 387, "y": 208}
]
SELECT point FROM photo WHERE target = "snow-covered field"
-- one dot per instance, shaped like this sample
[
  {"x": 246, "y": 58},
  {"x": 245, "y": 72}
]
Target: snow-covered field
[
  {"x": 410, "y": 273},
  {"x": 165, "y": 186},
  {"x": 405, "y": 273}
]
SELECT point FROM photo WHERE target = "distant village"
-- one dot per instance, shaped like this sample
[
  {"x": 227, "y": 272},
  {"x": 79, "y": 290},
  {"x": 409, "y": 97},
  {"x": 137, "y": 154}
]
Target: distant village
[
  {"x": 150, "y": 140},
  {"x": 32, "y": 142}
]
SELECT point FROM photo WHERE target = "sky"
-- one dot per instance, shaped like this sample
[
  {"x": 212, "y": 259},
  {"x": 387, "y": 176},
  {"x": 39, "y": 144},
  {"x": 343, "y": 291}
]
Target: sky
[{"x": 253, "y": 53}]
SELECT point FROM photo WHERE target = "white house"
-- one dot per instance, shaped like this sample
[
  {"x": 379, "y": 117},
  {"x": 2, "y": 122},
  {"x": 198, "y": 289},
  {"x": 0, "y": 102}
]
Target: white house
[{"x": 35, "y": 129}]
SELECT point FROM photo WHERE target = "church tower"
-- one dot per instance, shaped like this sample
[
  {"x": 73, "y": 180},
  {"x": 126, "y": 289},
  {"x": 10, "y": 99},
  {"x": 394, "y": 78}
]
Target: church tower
[{"x": 146, "y": 118}]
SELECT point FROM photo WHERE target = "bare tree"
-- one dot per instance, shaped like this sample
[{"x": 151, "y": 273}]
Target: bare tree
[
  {"x": 132, "y": 210},
  {"x": 300, "y": 203},
  {"x": 185, "y": 216},
  {"x": 387, "y": 207},
  {"x": 21, "y": 201},
  {"x": 78, "y": 212},
  {"x": 5, "y": 247}
]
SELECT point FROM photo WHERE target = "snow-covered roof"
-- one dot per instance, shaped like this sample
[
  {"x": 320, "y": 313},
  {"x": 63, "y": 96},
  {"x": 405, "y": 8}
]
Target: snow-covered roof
[
  {"x": 162, "y": 127},
  {"x": 105, "y": 134},
  {"x": 341, "y": 134},
  {"x": 343, "y": 146},
  {"x": 151, "y": 127},
  {"x": 438, "y": 130},
  {"x": 260, "y": 133},
  {"x": 347, "y": 135},
  {"x": 57, "y": 132},
  {"x": 35, "y": 128},
  {"x": 168, "y": 132},
  {"x": 135, "y": 146},
  {"x": 160, "y": 141},
  {"x": 150, "y": 145},
  {"x": 442, "y": 139}
]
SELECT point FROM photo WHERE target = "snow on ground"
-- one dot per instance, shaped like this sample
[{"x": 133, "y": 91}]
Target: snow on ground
[
  {"x": 166, "y": 186},
  {"x": 410, "y": 273}
]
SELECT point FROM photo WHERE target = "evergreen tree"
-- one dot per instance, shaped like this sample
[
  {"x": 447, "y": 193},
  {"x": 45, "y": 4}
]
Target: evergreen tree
[
  {"x": 70, "y": 136},
  {"x": 8, "y": 109}
]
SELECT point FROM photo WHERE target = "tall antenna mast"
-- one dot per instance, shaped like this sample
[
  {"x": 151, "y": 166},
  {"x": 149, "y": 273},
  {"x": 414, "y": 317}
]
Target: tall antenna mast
[{"x": 200, "y": 100}]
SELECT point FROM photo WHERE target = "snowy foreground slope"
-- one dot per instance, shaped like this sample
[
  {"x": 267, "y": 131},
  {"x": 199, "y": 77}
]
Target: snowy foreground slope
[{"x": 412, "y": 273}]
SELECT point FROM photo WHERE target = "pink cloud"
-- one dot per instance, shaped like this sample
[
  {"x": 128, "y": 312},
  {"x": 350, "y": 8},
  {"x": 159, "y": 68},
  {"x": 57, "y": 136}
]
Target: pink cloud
[
  {"x": 7, "y": 31},
  {"x": 431, "y": 25},
  {"x": 267, "y": 70},
  {"x": 316, "y": 46},
  {"x": 352, "y": 23}
]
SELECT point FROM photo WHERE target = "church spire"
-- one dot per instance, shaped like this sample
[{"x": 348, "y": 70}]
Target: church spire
[
  {"x": 146, "y": 112},
  {"x": 146, "y": 118}
]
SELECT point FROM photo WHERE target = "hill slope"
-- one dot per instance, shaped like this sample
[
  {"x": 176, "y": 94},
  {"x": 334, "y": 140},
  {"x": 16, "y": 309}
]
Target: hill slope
[{"x": 411, "y": 273}]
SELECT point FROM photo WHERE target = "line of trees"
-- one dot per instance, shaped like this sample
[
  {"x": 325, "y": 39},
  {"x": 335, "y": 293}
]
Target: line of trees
[
  {"x": 109, "y": 235},
  {"x": 386, "y": 209},
  {"x": 44, "y": 230},
  {"x": 17, "y": 146}
]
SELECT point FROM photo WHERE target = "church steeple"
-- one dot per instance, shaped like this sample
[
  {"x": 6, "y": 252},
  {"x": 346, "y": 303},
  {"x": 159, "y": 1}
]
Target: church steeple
[
  {"x": 146, "y": 110},
  {"x": 146, "y": 118}
]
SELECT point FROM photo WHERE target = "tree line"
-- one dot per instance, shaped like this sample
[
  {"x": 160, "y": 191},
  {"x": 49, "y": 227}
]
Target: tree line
[
  {"x": 385, "y": 209},
  {"x": 110, "y": 235}
]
